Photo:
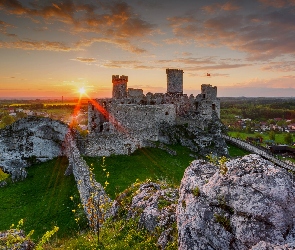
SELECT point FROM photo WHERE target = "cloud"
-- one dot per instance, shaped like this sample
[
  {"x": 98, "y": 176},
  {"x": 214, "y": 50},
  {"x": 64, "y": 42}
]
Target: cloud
[
  {"x": 4, "y": 26},
  {"x": 113, "y": 19},
  {"x": 14, "y": 6},
  {"x": 275, "y": 83},
  {"x": 131, "y": 64},
  {"x": 192, "y": 64},
  {"x": 174, "y": 40},
  {"x": 124, "y": 44},
  {"x": 262, "y": 36},
  {"x": 114, "y": 22},
  {"x": 278, "y": 3},
  {"x": 228, "y": 6},
  {"x": 187, "y": 53},
  {"x": 60, "y": 46},
  {"x": 85, "y": 60},
  {"x": 56, "y": 6},
  {"x": 284, "y": 66},
  {"x": 36, "y": 45}
]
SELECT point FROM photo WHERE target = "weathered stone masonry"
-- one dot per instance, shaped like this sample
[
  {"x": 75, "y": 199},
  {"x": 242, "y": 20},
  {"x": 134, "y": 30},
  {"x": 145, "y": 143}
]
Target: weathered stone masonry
[{"x": 132, "y": 117}]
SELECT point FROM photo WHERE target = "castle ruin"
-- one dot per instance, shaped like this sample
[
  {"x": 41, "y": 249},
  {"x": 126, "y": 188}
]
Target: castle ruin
[{"x": 134, "y": 118}]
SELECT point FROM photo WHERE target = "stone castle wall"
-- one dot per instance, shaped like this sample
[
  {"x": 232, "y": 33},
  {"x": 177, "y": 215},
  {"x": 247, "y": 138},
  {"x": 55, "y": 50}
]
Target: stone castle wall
[
  {"x": 107, "y": 144},
  {"x": 141, "y": 121}
]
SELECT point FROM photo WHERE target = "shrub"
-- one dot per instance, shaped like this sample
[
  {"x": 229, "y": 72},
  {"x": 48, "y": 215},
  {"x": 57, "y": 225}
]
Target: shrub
[{"x": 3, "y": 176}]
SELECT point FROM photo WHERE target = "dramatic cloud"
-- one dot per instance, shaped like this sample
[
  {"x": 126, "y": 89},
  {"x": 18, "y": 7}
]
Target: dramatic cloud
[
  {"x": 113, "y": 22},
  {"x": 116, "y": 18},
  {"x": 261, "y": 36}
]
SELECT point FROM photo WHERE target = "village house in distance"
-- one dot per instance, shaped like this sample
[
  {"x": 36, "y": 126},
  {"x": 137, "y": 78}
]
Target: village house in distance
[{"x": 129, "y": 119}]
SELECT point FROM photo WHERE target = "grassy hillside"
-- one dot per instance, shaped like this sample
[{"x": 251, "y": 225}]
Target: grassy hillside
[
  {"x": 42, "y": 200},
  {"x": 152, "y": 163}
]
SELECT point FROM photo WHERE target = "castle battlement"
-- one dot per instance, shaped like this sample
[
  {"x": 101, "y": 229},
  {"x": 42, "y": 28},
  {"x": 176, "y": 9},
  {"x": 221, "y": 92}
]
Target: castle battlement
[
  {"x": 119, "y": 86},
  {"x": 119, "y": 79},
  {"x": 177, "y": 71}
]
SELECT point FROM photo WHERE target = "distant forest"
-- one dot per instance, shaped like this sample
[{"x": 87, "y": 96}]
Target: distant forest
[{"x": 258, "y": 108}]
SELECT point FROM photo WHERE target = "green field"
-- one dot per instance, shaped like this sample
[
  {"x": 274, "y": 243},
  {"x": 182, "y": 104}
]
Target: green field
[
  {"x": 152, "y": 163},
  {"x": 279, "y": 137},
  {"x": 234, "y": 151},
  {"x": 42, "y": 200}
]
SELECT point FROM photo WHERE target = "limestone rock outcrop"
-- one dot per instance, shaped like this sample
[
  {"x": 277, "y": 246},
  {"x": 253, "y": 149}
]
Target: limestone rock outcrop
[
  {"x": 30, "y": 140},
  {"x": 154, "y": 204},
  {"x": 251, "y": 206}
]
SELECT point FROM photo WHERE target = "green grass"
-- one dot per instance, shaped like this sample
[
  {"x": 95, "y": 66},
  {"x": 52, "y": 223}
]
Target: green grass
[
  {"x": 121, "y": 233},
  {"x": 279, "y": 137},
  {"x": 235, "y": 151},
  {"x": 42, "y": 200},
  {"x": 152, "y": 163}
]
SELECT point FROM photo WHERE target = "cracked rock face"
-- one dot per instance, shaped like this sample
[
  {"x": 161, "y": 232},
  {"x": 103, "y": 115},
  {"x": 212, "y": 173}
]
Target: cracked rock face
[
  {"x": 252, "y": 206},
  {"x": 29, "y": 140}
]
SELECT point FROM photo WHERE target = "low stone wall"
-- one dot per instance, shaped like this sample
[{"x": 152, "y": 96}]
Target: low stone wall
[
  {"x": 260, "y": 151},
  {"x": 92, "y": 194},
  {"x": 106, "y": 144}
]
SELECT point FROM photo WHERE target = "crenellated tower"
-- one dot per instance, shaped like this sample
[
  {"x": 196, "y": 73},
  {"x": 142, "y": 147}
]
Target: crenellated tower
[{"x": 119, "y": 86}]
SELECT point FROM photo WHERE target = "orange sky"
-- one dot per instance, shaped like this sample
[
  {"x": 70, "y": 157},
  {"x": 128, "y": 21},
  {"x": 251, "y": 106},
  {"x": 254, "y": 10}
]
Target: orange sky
[{"x": 52, "y": 48}]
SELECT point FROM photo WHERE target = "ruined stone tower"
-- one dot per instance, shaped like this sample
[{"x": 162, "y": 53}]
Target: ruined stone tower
[
  {"x": 174, "y": 81},
  {"x": 207, "y": 102},
  {"x": 119, "y": 86},
  {"x": 208, "y": 92}
]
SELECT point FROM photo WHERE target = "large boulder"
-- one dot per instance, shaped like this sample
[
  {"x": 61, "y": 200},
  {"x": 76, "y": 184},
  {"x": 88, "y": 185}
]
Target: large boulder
[{"x": 252, "y": 205}]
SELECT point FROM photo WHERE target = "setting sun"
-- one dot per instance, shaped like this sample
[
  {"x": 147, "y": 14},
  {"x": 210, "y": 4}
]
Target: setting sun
[{"x": 82, "y": 91}]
